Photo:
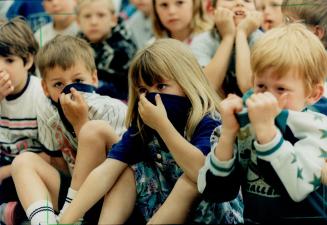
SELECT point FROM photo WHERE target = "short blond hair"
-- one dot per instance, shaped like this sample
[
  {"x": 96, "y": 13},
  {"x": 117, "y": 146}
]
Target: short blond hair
[
  {"x": 170, "y": 59},
  {"x": 82, "y": 3},
  {"x": 65, "y": 51},
  {"x": 288, "y": 47}
]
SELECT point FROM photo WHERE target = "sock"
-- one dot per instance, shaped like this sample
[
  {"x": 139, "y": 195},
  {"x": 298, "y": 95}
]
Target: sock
[
  {"x": 41, "y": 213},
  {"x": 69, "y": 198}
]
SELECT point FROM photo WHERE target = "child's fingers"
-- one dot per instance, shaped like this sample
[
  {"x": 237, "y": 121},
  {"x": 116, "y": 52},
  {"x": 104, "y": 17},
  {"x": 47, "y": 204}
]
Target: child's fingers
[
  {"x": 4, "y": 79},
  {"x": 159, "y": 101},
  {"x": 76, "y": 96}
]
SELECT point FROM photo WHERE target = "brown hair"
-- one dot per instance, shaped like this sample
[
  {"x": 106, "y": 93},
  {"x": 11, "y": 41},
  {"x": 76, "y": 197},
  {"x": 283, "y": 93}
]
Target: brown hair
[
  {"x": 17, "y": 39},
  {"x": 64, "y": 51}
]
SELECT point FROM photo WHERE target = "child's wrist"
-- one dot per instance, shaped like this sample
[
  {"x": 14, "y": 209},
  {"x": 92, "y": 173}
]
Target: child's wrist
[{"x": 264, "y": 134}]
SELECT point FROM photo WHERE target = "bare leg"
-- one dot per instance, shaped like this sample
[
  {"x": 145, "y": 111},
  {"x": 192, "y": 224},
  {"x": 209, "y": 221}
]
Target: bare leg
[
  {"x": 119, "y": 203},
  {"x": 35, "y": 179},
  {"x": 178, "y": 204},
  {"x": 95, "y": 138}
]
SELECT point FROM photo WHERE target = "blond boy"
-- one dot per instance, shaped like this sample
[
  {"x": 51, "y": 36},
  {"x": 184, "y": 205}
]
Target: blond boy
[{"x": 276, "y": 154}]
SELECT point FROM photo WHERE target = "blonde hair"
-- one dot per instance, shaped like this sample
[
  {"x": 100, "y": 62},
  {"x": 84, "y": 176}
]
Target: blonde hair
[
  {"x": 200, "y": 22},
  {"x": 82, "y": 3},
  {"x": 64, "y": 51},
  {"x": 17, "y": 39},
  {"x": 171, "y": 59},
  {"x": 288, "y": 47},
  {"x": 310, "y": 12}
]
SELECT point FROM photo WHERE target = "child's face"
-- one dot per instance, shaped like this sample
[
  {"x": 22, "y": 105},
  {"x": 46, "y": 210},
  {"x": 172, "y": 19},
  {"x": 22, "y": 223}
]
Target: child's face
[
  {"x": 290, "y": 84},
  {"x": 238, "y": 7},
  {"x": 272, "y": 13},
  {"x": 96, "y": 20},
  {"x": 144, "y": 6},
  {"x": 56, "y": 79},
  {"x": 165, "y": 87},
  {"x": 14, "y": 67},
  {"x": 175, "y": 15},
  {"x": 59, "y": 9}
]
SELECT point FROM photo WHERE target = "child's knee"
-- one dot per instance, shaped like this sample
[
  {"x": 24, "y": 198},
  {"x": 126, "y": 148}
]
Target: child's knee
[
  {"x": 98, "y": 131},
  {"x": 24, "y": 161}
]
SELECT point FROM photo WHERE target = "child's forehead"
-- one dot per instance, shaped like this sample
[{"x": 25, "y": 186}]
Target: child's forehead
[{"x": 105, "y": 4}]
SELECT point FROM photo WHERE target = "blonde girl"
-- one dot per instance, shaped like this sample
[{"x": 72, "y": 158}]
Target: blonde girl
[
  {"x": 179, "y": 19},
  {"x": 172, "y": 112}
]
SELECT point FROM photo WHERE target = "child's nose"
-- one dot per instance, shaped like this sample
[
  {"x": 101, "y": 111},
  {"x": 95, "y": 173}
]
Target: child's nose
[
  {"x": 152, "y": 89},
  {"x": 239, "y": 2}
]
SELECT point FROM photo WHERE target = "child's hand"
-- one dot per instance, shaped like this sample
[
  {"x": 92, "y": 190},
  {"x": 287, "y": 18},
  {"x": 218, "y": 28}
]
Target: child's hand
[
  {"x": 6, "y": 86},
  {"x": 262, "y": 110},
  {"x": 224, "y": 21},
  {"x": 250, "y": 23},
  {"x": 75, "y": 108},
  {"x": 152, "y": 115},
  {"x": 228, "y": 108}
]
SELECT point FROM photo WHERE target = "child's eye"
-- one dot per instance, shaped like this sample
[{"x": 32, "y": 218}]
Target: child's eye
[
  {"x": 260, "y": 88},
  {"x": 281, "y": 89},
  {"x": 9, "y": 60},
  {"x": 87, "y": 16},
  {"x": 101, "y": 15},
  {"x": 58, "y": 85},
  {"x": 142, "y": 90},
  {"x": 180, "y": 2},
  {"x": 161, "y": 86},
  {"x": 163, "y": 5},
  {"x": 78, "y": 81}
]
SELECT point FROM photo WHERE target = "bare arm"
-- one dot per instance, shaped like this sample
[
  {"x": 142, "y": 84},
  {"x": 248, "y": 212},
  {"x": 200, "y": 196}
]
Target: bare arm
[
  {"x": 97, "y": 184},
  {"x": 184, "y": 194},
  {"x": 229, "y": 106},
  {"x": 217, "y": 68},
  {"x": 243, "y": 65}
]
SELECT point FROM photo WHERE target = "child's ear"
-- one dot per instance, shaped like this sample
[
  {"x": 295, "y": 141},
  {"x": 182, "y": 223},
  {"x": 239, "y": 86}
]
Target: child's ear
[
  {"x": 29, "y": 62},
  {"x": 45, "y": 87},
  {"x": 319, "y": 31},
  {"x": 95, "y": 80},
  {"x": 114, "y": 19},
  {"x": 316, "y": 93}
]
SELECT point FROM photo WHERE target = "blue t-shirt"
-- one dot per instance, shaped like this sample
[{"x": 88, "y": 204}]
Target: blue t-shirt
[{"x": 132, "y": 149}]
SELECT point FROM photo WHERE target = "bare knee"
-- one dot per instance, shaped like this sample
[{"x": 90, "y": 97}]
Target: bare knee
[
  {"x": 98, "y": 131},
  {"x": 24, "y": 161}
]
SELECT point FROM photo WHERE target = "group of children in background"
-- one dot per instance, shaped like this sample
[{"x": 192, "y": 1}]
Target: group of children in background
[{"x": 225, "y": 121}]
